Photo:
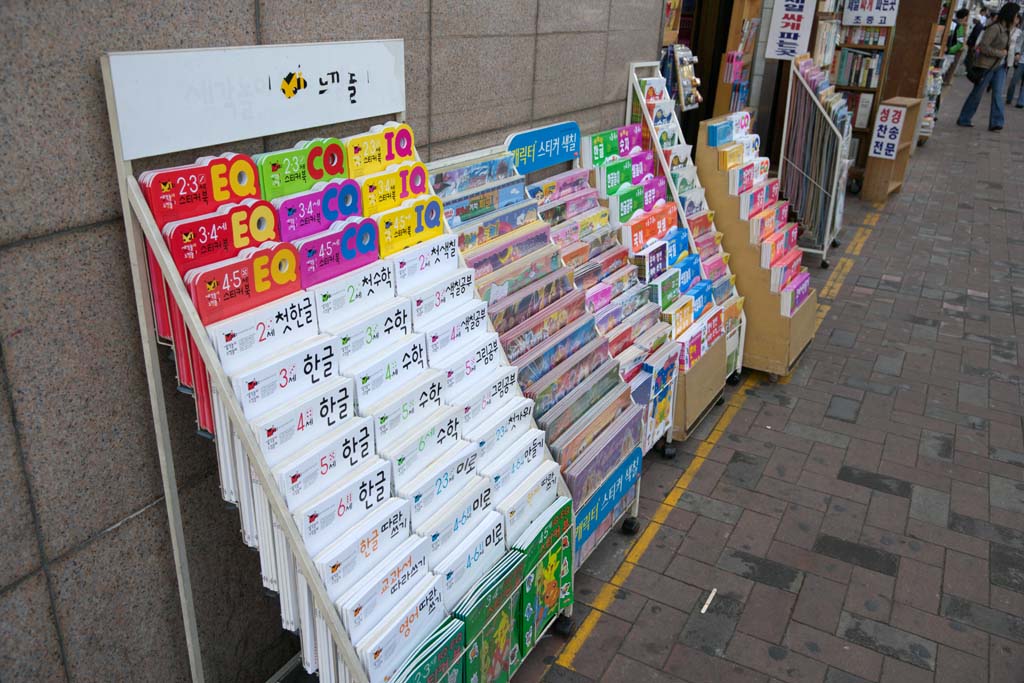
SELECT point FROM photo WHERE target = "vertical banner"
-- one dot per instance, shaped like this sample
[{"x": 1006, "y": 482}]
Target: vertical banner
[
  {"x": 790, "y": 29},
  {"x": 870, "y": 12},
  {"x": 885, "y": 138}
]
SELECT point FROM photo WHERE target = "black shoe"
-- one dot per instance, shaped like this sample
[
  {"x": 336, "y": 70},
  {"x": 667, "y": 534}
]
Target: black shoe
[
  {"x": 1019, "y": 106},
  {"x": 995, "y": 128},
  {"x": 965, "y": 125}
]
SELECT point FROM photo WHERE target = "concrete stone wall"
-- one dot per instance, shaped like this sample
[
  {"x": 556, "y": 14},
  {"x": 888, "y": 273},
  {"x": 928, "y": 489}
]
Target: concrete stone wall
[{"x": 87, "y": 583}]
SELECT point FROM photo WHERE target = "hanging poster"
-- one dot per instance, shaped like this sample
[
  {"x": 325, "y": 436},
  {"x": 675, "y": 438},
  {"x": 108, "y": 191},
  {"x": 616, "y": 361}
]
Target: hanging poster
[
  {"x": 789, "y": 31},
  {"x": 870, "y": 12}
]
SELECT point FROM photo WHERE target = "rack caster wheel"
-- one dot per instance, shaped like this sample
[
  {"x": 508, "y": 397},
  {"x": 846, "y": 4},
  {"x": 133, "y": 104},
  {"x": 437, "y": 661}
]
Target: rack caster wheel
[
  {"x": 836, "y": 243},
  {"x": 564, "y": 626},
  {"x": 630, "y": 525},
  {"x": 668, "y": 452},
  {"x": 720, "y": 401},
  {"x": 733, "y": 379},
  {"x": 854, "y": 186},
  {"x": 824, "y": 264},
  {"x": 773, "y": 378}
]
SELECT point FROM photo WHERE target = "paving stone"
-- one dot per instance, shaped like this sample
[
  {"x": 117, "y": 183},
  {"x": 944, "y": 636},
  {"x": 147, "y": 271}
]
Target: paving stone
[
  {"x": 1007, "y": 567},
  {"x": 839, "y": 676},
  {"x": 844, "y": 519},
  {"x": 701, "y": 575},
  {"x": 709, "y": 507},
  {"x": 820, "y": 603},
  {"x": 711, "y": 631},
  {"x": 559, "y": 674},
  {"x": 775, "y": 660},
  {"x": 878, "y": 482},
  {"x": 766, "y": 612},
  {"x": 816, "y": 434},
  {"x": 697, "y": 667},
  {"x": 966, "y": 576},
  {"x": 919, "y": 584},
  {"x": 890, "y": 641},
  {"x": 705, "y": 539},
  {"x": 761, "y": 570},
  {"x": 625, "y": 605},
  {"x": 889, "y": 365},
  {"x": 954, "y": 666},
  {"x": 598, "y": 650},
  {"x": 870, "y": 594},
  {"x": 744, "y": 470},
  {"x": 858, "y": 554},
  {"x": 1005, "y": 455},
  {"x": 888, "y": 512},
  {"x": 936, "y": 445},
  {"x": 1006, "y": 660},
  {"x": 753, "y": 533},
  {"x": 929, "y": 505},
  {"x": 834, "y": 651},
  {"x": 895, "y": 671},
  {"x": 843, "y": 339},
  {"x": 661, "y": 588},
  {"x": 841, "y": 408},
  {"x": 941, "y": 536},
  {"x": 938, "y": 628},
  {"x": 1007, "y": 494},
  {"x": 984, "y": 618},
  {"x": 654, "y": 633},
  {"x": 625, "y": 669}
]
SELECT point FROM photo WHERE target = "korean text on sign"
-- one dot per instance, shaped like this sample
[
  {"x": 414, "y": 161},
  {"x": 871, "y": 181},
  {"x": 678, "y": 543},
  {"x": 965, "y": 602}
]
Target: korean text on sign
[{"x": 885, "y": 138}]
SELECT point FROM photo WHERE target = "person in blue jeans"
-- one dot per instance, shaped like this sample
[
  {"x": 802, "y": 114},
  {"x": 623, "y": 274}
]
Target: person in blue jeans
[{"x": 989, "y": 63}]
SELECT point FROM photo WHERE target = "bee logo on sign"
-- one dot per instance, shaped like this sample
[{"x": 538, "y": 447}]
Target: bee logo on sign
[{"x": 292, "y": 83}]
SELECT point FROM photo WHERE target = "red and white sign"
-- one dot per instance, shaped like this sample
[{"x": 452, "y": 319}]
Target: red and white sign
[
  {"x": 885, "y": 138},
  {"x": 790, "y": 29}
]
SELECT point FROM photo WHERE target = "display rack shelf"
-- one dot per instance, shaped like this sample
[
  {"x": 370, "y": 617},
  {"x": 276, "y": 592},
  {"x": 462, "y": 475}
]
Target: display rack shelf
[
  {"x": 142, "y": 231},
  {"x": 774, "y": 343}
]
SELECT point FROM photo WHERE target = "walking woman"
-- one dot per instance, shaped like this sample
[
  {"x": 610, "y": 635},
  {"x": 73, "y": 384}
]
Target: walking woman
[{"x": 988, "y": 69}]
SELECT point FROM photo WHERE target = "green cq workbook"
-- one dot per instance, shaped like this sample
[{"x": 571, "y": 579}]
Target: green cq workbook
[
  {"x": 438, "y": 659},
  {"x": 489, "y": 611},
  {"x": 547, "y": 587}
]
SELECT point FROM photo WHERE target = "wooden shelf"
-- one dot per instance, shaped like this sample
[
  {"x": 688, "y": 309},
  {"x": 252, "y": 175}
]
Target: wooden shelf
[
  {"x": 852, "y": 46},
  {"x": 904, "y": 145},
  {"x": 856, "y": 88}
]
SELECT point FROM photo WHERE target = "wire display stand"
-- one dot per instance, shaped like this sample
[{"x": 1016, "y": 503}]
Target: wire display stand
[
  {"x": 734, "y": 340},
  {"x": 813, "y": 166},
  {"x": 142, "y": 229}
]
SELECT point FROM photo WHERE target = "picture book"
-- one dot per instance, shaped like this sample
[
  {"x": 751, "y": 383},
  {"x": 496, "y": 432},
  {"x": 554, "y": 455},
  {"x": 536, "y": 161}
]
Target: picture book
[
  {"x": 464, "y": 363},
  {"x": 540, "y": 326},
  {"x": 548, "y": 567},
  {"x": 314, "y": 210},
  {"x": 595, "y": 517},
  {"x": 591, "y": 468},
  {"x": 564, "y": 343},
  {"x": 515, "y": 309},
  {"x": 395, "y": 417},
  {"x": 519, "y": 274},
  {"x": 574, "y": 441},
  {"x": 553, "y": 386},
  {"x": 530, "y": 498},
  {"x": 558, "y": 186},
  {"x": 471, "y": 175},
  {"x": 467, "y": 206},
  {"x": 507, "y": 249},
  {"x": 389, "y": 188},
  {"x": 490, "y": 226},
  {"x": 795, "y": 293},
  {"x": 573, "y": 405}
]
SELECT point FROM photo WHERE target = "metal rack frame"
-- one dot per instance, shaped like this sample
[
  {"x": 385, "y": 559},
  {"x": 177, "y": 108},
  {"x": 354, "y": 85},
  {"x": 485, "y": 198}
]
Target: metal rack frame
[
  {"x": 635, "y": 91},
  {"x": 833, "y": 220},
  {"x": 141, "y": 229}
]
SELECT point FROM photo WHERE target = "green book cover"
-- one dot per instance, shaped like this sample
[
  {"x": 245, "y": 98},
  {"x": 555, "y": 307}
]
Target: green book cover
[
  {"x": 556, "y": 526},
  {"x": 515, "y": 655},
  {"x": 443, "y": 660},
  {"x": 501, "y": 587},
  {"x": 603, "y": 145}
]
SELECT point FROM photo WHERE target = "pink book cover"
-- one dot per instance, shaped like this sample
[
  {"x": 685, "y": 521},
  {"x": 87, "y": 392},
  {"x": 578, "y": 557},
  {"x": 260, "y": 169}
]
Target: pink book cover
[
  {"x": 655, "y": 189},
  {"x": 643, "y": 164},
  {"x": 799, "y": 288},
  {"x": 630, "y": 137},
  {"x": 707, "y": 245},
  {"x": 715, "y": 267}
]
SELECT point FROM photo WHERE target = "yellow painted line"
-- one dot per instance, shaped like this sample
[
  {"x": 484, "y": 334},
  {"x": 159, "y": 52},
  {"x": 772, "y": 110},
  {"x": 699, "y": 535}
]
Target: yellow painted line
[
  {"x": 607, "y": 594},
  {"x": 872, "y": 219}
]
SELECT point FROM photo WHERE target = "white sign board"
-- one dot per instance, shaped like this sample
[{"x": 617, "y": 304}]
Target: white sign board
[
  {"x": 790, "y": 29},
  {"x": 173, "y": 100},
  {"x": 885, "y": 139},
  {"x": 870, "y": 12}
]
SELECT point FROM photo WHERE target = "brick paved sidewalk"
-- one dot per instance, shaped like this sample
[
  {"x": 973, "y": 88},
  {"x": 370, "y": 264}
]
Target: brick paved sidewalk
[{"x": 863, "y": 521}]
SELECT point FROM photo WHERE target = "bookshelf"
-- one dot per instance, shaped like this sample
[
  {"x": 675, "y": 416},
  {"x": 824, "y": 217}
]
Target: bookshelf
[
  {"x": 773, "y": 342},
  {"x": 882, "y": 177},
  {"x": 743, "y": 28}
]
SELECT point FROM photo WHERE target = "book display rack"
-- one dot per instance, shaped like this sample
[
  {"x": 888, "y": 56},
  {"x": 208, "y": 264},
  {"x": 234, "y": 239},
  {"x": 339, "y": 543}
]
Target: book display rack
[
  {"x": 704, "y": 305},
  {"x": 569, "y": 309},
  {"x": 754, "y": 222},
  {"x": 368, "y": 425},
  {"x": 814, "y": 158}
]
